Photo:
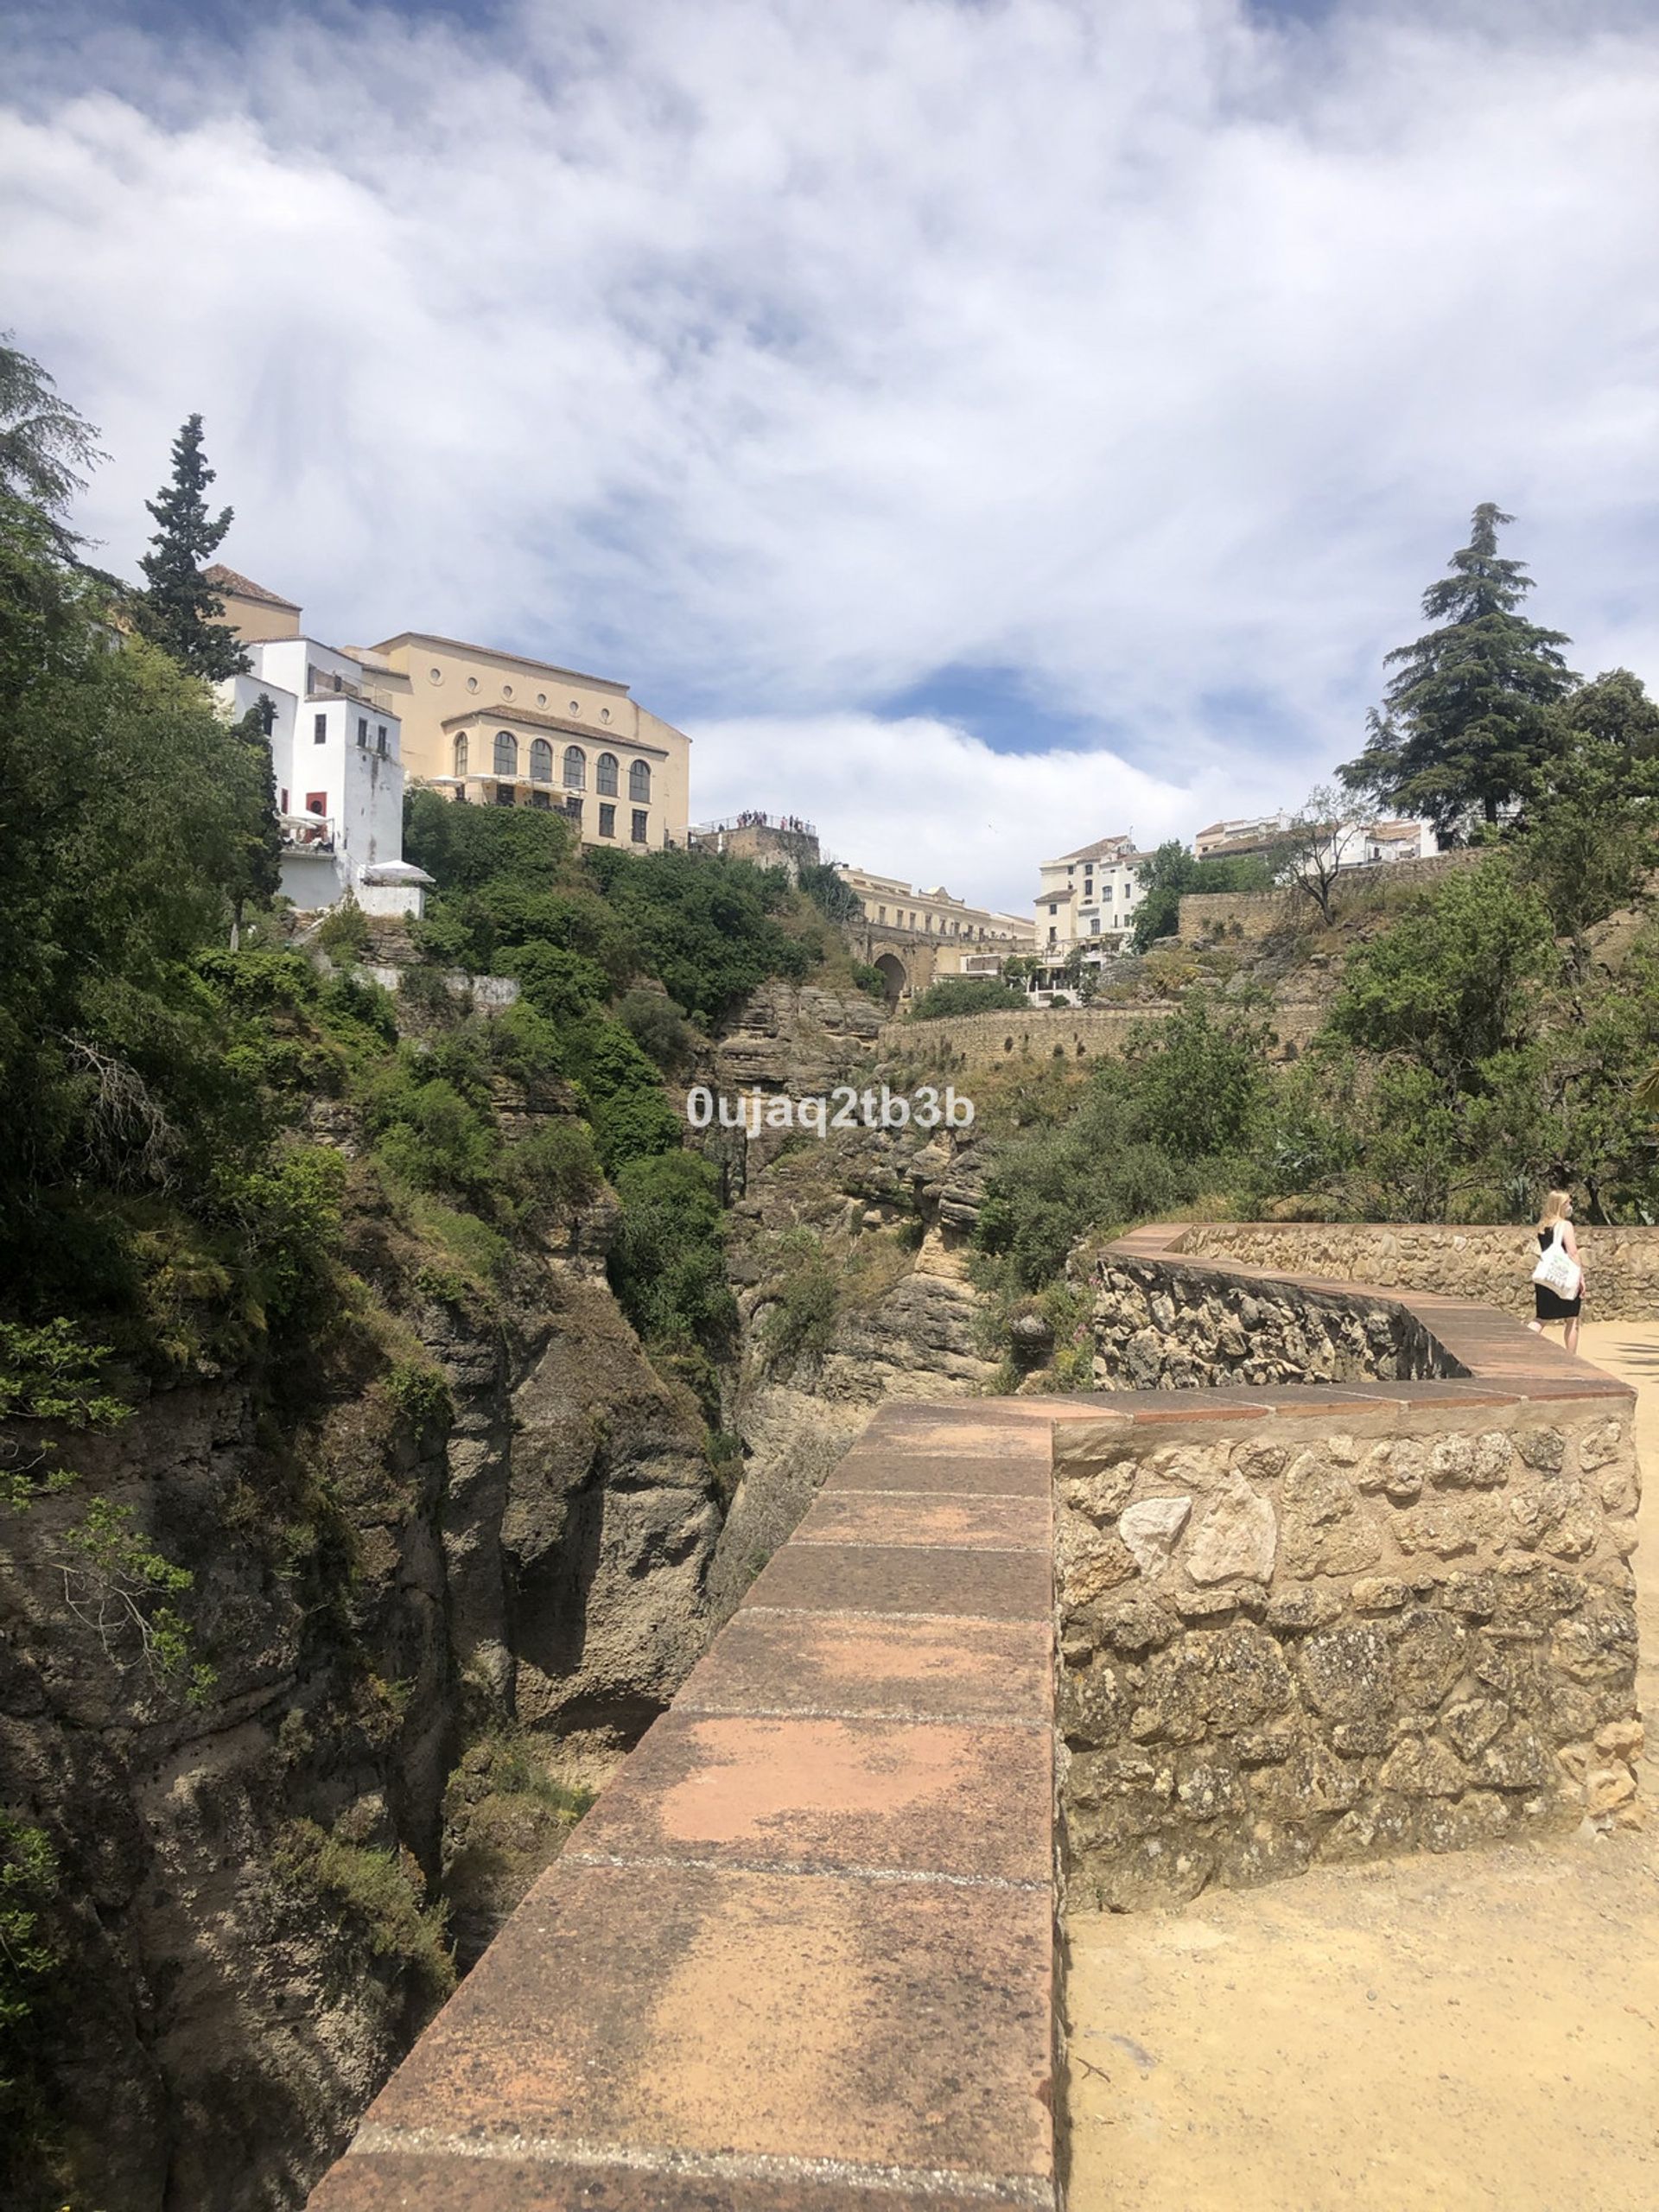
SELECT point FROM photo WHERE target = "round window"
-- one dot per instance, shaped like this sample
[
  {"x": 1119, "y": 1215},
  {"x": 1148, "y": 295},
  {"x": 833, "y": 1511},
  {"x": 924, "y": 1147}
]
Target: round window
[
  {"x": 506, "y": 690},
  {"x": 604, "y": 714},
  {"x": 435, "y": 676},
  {"x": 576, "y": 707},
  {"x": 472, "y": 684},
  {"x": 541, "y": 698}
]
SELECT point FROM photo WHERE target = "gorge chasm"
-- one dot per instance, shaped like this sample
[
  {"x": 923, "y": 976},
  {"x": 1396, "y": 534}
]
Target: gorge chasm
[{"x": 437, "y": 1611}]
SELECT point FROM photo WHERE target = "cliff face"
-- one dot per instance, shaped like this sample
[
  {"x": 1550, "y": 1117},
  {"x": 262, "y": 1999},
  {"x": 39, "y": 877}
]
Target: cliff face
[
  {"x": 241, "y": 1936},
  {"x": 849, "y": 1258},
  {"x": 446, "y": 1566}
]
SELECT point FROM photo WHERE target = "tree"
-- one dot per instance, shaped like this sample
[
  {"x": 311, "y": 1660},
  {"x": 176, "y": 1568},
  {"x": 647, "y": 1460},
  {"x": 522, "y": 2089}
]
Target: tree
[
  {"x": 831, "y": 893},
  {"x": 1615, "y": 709},
  {"x": 178, "y": 609},
  {"x": 1467, "y": 721},
  {"x": 1172, "y": 872},
  {"x": 1317, "y": 846},
  {"x": 1588, "y": 839},
  {"x": 45, "y": 446},
  {"x": 1459, "y": 979}
]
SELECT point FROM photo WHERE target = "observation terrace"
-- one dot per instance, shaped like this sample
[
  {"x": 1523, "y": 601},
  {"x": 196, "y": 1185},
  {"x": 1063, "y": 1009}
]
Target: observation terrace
[{"x": 806, "y": 1951}]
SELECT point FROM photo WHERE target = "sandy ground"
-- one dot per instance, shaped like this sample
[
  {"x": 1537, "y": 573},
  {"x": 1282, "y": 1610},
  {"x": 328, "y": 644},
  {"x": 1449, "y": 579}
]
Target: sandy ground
[{"x": 1419, "y": 2036}]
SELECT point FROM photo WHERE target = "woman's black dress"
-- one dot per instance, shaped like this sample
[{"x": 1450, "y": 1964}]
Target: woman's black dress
[{"x": 1546, "y": 1305}]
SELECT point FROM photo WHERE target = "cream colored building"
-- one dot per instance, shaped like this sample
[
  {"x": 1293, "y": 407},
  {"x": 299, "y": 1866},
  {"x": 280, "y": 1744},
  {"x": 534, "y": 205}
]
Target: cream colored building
[
  {"x": 504, "y": 730},
  {"x": 1090, "y": 898},
  {"x": 500, "y": 729},
  {"x": 890, "y": 903}
]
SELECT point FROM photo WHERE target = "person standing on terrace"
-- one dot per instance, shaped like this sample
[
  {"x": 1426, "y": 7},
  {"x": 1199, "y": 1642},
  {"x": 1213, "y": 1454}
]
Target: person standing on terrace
[{"x": 1550, "y": 1304}]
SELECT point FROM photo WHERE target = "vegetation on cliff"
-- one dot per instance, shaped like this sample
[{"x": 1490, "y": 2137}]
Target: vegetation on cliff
[
  {"x": 1481, "y": 1045},
  {"x": 245, "y": 1179}
]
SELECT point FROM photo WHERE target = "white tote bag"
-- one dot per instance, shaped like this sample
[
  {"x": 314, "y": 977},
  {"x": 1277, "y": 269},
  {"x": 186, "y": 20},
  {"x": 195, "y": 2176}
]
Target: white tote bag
[{"x": 1554, "y": 1271}]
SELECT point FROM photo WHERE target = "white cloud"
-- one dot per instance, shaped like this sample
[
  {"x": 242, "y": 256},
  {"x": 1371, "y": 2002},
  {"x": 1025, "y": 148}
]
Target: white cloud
[
  {"x": 921, "y": 799},
  {"x": 774, "y": 355}
]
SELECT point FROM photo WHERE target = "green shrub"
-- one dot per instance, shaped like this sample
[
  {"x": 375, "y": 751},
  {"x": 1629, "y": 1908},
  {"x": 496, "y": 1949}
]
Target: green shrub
[
  {"x": 957, "y": 995},
  {"x": 379, "y": 1896},
  {"x": 667, "y": 1265},
  {"x": 343, "y": 932},
  {"x": 554, "y": 1171},
  {"x": 801, "y": 1324},
  {"x": 658, "y": 1028}
]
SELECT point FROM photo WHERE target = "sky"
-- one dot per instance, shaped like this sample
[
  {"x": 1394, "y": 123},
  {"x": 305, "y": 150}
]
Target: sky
[{"x": 984, "y": 425}]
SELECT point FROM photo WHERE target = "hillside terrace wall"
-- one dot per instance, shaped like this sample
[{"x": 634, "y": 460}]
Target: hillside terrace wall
[
  {"x": 964, "y": 1042},
  {"x": 1250, "y": 916},
  {"x": 1390, "y": 1610},
  {"x": 1492, "y": 1264},
  {"x": 802, "y": 1953}
]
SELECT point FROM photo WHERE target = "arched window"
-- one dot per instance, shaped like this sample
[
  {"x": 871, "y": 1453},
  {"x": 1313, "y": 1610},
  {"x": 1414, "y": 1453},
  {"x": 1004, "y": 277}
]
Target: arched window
[
  {"x": 605, "y": 775},
  {"x": 507, "y": 753},
  {"x": 576, "y": 768},
  {"x": 541, "y": 761},
  {"x": 638, "y": 781},
  {"x": 460, "y": 754}
]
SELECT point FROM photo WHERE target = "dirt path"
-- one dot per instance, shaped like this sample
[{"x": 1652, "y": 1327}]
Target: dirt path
[{"x": 1425, "y": 2035}]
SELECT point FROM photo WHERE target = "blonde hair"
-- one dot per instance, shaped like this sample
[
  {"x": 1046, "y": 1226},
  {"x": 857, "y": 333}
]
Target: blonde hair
[{"x": 1555, "y": 1207}]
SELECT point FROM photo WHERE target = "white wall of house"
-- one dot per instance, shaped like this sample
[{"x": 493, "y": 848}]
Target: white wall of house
[{"x": 336, "y": 755}]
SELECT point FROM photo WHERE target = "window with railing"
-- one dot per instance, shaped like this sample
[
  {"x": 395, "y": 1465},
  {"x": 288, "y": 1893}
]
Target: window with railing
[
  {"x": 607, "y": 821},
  {"x": 641, "y": 827}
]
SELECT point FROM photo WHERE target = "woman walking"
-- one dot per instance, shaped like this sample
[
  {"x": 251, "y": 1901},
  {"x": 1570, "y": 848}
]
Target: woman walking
[{"x": 1556, "y": 1245}]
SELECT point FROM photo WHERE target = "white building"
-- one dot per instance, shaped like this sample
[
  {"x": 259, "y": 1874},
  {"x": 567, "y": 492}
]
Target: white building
[
  {"x": 336, "y": 755},
  {"x": 1089, "y": 898},
  {"x": 1244, "y": 833}
]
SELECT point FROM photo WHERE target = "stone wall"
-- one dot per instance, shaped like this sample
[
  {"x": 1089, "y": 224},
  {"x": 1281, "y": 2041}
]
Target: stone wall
[
  {"x": 1159, "y": 1325},
  {"x": 1254, "y": 915},
  {"x": 992, "y": 1040},
  {"x": 1292, "y": 1635},
  {"x": 1492, "y": 1264},
  {"x": 1076, "y": 1033}
]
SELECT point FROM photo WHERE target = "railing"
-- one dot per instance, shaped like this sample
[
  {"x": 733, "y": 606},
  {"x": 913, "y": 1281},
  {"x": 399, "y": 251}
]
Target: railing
[
  {"x": 306, "y": 833},
  {"x": 792, "y": 825}
]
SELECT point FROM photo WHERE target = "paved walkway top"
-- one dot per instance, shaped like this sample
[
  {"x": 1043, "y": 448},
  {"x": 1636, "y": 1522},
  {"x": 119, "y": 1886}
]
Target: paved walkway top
[{"x": 802, "y": 1951}]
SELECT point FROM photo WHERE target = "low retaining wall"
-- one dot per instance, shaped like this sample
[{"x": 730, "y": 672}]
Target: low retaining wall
[
  {"x": 1346, "y": 1617},
  {"x": 972, "y": 1040},
  {"x": 1160, "y": 1325},
  {"x": 1300, "y": 1632},
  {"x": 1492, "y": 1264},
  {"x": 1065, "y": 1033}
]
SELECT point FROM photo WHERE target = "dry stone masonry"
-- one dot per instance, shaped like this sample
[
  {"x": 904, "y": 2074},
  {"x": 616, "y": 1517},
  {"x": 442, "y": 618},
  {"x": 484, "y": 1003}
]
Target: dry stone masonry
[
  {"x": 1621, "y": 1265},
  {"x": 1381, "y": 1604},
  {"x": 1159, "y": 1325}
]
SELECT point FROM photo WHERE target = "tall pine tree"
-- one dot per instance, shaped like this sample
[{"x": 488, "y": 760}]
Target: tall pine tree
[
  {"x": 178, "y": 609},
  {"x": 1470, "y": 716}
]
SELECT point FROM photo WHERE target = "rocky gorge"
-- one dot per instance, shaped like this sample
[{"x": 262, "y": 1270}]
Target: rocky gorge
[{"x": 440, "y": 1578}]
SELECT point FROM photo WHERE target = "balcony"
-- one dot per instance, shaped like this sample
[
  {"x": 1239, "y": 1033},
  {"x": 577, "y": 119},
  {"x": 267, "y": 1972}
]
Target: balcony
[{"x": 306, "y": 833}]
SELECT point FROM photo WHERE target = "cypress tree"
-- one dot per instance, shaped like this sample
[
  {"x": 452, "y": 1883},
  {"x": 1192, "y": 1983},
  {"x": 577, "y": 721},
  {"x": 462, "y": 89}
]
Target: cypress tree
[
  {"x": 1469, "y": 718},
  {"x": 177, "y": 609}
]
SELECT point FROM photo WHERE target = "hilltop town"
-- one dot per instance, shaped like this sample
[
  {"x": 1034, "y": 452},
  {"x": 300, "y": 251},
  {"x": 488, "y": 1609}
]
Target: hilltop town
[{"x": 352, "y": 727}]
